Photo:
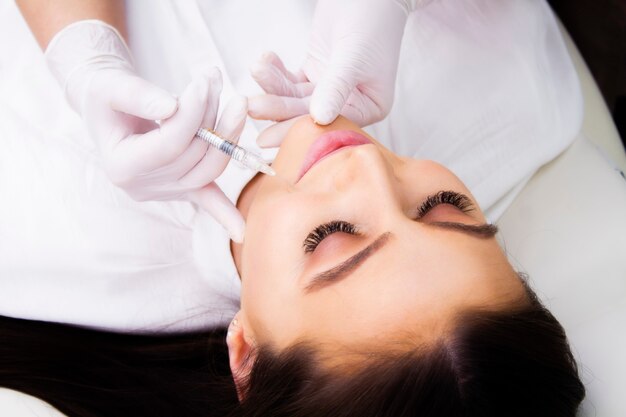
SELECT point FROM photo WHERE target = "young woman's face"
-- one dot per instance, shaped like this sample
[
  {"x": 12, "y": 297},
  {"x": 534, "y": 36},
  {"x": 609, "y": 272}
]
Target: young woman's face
[{"x": 364, "y": 247}]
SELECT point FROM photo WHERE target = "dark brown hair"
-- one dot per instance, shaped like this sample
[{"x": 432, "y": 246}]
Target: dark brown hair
[
  {"x": 494, "y": 364},
  {"x": 515, "y": 363},
  {"x": 89, "y": 373}
]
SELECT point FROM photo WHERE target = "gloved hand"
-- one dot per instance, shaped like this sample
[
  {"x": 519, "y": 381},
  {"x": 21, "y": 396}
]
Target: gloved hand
[
  {"x": 147, "y": 160},
  {"x": 350, "y": 68}
]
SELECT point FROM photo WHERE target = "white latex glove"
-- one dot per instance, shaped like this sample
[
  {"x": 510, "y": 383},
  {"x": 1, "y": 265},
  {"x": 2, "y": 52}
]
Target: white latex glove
[
  {"x": 350, "y": 68},
  {"x": 147, "y": 160}
]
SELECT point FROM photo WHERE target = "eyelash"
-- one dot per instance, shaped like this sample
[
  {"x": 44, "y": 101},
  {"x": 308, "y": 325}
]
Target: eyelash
[
  {"x": 323, "y": 230},
  {"x": 460, "y": 201}
]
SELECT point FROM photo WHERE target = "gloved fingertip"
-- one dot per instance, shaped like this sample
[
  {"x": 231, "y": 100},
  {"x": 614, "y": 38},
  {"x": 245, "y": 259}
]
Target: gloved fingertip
[
  {"x": 268, "y": 56},
  {"x": 323, "y": 117},
  {"x": 322, "y": 110},
  {"x": 237, "y": 232},
  {"x": 240, "y": 103},
  {"x": 263, "y": 142},
  {"x": 257, "y": 69},
  {"x": 269, "y": 138},
  {"x": 161, "y": 108},
  {"x": 196, "y": 91},
  {"x": 255, "y": 106}
]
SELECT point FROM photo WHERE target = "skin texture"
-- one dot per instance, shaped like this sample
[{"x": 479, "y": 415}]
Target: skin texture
[{"x": 408, "y": 292}]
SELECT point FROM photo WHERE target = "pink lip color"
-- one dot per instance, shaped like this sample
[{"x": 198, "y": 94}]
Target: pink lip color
[{"x": 329, "y": 143}]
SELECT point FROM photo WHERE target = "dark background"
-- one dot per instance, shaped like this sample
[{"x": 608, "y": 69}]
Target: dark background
[{"x": 598, "y": 27}]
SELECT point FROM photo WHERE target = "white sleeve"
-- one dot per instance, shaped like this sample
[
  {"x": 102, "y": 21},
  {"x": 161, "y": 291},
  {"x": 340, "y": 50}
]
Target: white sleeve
[
  {"x": 486, "y": 88},
  {"x": 412, "y": 5}
]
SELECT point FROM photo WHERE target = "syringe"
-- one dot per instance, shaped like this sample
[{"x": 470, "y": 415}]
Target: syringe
[{"x": 236, "y": 152}]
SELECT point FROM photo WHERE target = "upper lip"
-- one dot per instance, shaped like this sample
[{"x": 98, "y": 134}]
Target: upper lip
[{"x": 328, "y": 143}]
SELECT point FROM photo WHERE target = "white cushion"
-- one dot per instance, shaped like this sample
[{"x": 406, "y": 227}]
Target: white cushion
[
  {"x": 567, "y": 231},
  {"x": 16, "y": 404}
]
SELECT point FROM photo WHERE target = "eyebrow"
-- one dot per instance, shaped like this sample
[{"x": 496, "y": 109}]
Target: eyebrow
[
  {"x": 341, "y": 271},
  {"x": 483, "y": 231}
]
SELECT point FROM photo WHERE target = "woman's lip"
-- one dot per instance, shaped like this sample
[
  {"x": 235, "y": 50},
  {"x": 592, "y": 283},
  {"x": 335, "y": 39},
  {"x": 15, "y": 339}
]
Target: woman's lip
[{"x": 328, "y": 143}]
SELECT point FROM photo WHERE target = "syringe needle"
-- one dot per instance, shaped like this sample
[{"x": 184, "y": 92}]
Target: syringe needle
[
  {"x": 253, "y": 161},
  {"x": 236, "y": 152}
]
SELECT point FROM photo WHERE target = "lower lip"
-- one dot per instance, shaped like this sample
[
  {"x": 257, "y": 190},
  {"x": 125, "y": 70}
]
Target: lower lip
[{"x": 328, "y": 144}]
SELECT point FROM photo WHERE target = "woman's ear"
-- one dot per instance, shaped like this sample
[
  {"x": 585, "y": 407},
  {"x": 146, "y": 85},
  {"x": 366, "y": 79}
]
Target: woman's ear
[{"x": 240, "y": 352}]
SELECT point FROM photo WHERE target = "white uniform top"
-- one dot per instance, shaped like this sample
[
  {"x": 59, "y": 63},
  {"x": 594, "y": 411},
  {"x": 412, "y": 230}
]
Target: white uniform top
[{"x": 484, "y": 86}]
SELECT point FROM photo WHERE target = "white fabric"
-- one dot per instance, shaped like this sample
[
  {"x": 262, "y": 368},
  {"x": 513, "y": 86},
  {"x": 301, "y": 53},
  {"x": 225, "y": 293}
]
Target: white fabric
[
  {"x": 510, "y": 93},
  {"x": 484, "y": 86},
  {"x": 412, "y": 5}
]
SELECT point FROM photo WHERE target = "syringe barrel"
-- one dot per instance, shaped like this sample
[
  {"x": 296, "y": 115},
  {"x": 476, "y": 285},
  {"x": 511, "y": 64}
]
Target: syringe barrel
[
  {"x": 227, "y": 147},
  {"x": 236, "y": 152}
]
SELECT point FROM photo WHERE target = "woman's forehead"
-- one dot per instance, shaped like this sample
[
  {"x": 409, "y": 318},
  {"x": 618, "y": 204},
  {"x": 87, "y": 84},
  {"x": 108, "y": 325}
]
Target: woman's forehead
[{"x": 397, "y": 290}]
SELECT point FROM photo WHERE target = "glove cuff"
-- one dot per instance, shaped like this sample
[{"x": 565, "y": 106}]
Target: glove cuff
[{"x": 85, "y": 43}]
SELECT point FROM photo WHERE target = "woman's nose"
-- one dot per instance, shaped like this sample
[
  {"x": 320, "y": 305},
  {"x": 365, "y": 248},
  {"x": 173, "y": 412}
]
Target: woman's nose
[{"x": 367, "y": 166}]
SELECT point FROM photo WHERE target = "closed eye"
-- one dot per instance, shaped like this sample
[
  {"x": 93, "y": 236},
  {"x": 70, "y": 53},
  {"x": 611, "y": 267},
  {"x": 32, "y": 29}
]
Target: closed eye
[
  {"x": 324, "y": 230},
  {"x": 460, "y": 201},
  {"x": 317, "y": 235}
]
